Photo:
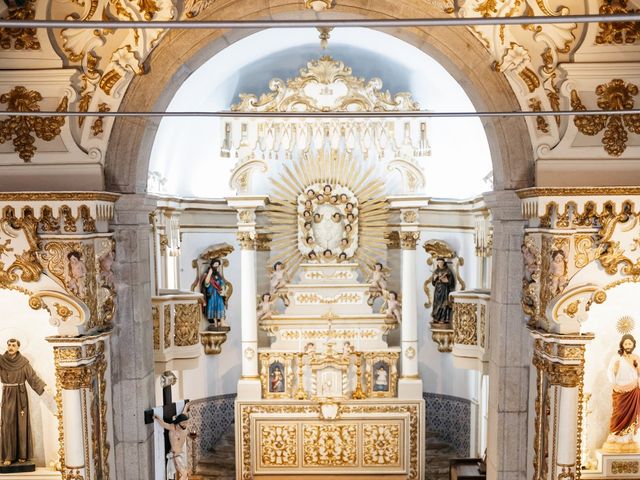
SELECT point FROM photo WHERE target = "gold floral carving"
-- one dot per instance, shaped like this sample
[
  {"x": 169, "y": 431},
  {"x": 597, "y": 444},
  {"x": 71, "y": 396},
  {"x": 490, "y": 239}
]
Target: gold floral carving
[
  {"x": 617, "y": 33},
  {"x": 340, "y": 298},
  {"x": 167, "y": 326},
  {"x": 98, "y": 124},
  {"x": 586, "y": 251},
  {"x": 155, "y": 316},
  {"x": 381, "y": 444},
  {"x": 278, "y": 445},
  {"x": 263, "y": 242},
  {"x": 186, "y": 324},
  {"x": 74, "y": 378},
  {"x": 329, "y": 445},
  {"x": 20, "y": 38},
  {"x": 360, "y": 96},
  {"x": 408, "y": 240},
  {"x": 541, "y": 124},
  {"x": 21, "y": 128},
  {"x": 624, "y": 466},
  {"x": 571, "y": 352},
  {"x": 615, "y": 95},
  {"x": 465, "y": 323},
  {"x": 410, "y": 216}
]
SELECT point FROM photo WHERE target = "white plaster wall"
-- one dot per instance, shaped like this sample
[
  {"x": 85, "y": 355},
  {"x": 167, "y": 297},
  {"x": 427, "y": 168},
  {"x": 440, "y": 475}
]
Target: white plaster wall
[
  {"x": 31, "y": 327},
  {"x": 210, "y": 374},
  {"x": 437, "y": 370}
]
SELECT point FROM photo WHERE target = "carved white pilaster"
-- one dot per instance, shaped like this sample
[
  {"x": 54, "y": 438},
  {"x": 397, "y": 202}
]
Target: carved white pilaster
[{"x": 249, "y": 383}]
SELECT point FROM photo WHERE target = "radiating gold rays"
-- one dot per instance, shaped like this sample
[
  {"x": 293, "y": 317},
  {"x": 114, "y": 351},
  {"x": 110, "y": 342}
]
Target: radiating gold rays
[{"x": 333, "y": 169}]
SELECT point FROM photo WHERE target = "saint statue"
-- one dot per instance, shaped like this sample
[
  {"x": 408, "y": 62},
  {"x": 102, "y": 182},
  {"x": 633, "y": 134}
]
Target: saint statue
[
  {"x": 15, "y": 372},
  {"x": 444, "y": 283},
  {"x": 215, "y": 290},
  {"x": 624, "y": 374},
  {"x": 177, "y": 463}
]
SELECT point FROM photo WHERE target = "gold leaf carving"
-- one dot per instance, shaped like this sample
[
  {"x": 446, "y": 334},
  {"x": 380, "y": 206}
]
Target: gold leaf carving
[
  {"x": 279, "y": 445},
  {"x": 617, "y": 33},
  {"x": 465, "y": 323},
  {"x": 329, "y": 445},
  {"x": 20, "y": 38},
  {"x": 21, "y": 128},
  {"x": 381, "y": 444},
  {"x": 615, "y": 95},
  {"x": 187, "y": 323}
]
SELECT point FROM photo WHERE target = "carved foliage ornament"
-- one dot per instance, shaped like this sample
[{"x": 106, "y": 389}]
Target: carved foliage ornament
[
  {"x": 625, "y": 249},
  {"x": 340, "y": 91},
  {"x": 21, "y": 129},
  {"x": 620, "y": 32},
  {"x": 18, "y": 247},
  {"x": 20, "y": 38},
  {"x": 615, "y": 95}
]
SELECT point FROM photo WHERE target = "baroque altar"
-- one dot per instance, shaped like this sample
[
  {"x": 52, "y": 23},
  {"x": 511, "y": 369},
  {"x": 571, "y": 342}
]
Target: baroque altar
[{"x": 330, "y": 382}]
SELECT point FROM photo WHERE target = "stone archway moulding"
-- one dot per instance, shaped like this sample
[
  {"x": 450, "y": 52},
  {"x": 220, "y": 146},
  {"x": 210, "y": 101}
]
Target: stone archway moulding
[{"x": 457, "y": 50}]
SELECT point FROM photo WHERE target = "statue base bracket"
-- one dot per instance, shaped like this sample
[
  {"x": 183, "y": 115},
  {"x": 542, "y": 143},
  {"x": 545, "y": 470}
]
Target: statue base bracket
[{"x": 18, "y": 468}]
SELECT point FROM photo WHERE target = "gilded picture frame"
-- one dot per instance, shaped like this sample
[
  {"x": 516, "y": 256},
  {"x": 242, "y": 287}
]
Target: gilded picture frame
[
  {"x": 276, "y": 375},
  {"x": 381, "y": 374}
]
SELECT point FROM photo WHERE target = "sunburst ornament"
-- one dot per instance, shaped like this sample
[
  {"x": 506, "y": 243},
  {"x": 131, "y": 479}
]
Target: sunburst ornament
[
  {"x": 625, "y": 324},
  {"x": 323, "y": 209}
]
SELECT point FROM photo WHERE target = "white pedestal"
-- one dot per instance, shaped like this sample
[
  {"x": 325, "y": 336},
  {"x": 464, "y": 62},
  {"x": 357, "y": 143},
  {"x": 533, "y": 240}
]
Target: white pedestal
[
  {"x": 409, "y": 388},
  {"x": 249, "y": 389}
]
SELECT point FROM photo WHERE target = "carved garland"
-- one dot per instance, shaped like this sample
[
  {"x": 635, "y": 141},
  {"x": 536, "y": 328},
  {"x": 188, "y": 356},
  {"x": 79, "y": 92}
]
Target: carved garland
[
  {"x": 20, "y": 38},
  {"x": 22, "y": 129},
  {"x": 614, "y": 95}
]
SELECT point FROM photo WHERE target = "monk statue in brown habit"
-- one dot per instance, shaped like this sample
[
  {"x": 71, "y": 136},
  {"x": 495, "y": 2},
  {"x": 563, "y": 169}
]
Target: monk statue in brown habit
[{"x": 15, "y": 432}]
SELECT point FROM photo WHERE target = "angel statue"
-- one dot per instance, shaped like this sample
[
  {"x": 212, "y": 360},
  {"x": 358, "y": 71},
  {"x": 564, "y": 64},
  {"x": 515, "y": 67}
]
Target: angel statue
[
  {"x": 216, "y": 294},
  {"x": 264, "y": 310},
  {"x": 378, "y": 281},
  {"x": 279, "y": 278},
  {"x": 391, "y": 306}
]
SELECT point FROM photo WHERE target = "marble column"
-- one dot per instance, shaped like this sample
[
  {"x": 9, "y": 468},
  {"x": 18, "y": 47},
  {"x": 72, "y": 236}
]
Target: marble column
[
  {"x": 249, "y": 387},
  {"x": 132, "y": 348},
  {"x": 72, "y": 411},
  {"x": 510, "y": 353}
]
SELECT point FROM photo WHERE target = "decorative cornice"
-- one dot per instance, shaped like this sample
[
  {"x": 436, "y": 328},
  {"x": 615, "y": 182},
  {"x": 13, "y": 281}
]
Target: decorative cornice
[{"x": 533, "y": 192}]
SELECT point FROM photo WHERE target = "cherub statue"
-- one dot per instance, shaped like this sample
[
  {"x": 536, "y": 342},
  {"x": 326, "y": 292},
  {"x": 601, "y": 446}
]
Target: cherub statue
[
  {"x": 77, "y": 274},
  {"x": 391, "y": 307},
  {"x": 531, "y": 266},
  {"x": 279, "y": 277},
  {"x": 378, "y": 281},
  {"x": 557, "y": 272},
  {"x": 265, "y": 311},
  {"x": 106, "y": 273}
]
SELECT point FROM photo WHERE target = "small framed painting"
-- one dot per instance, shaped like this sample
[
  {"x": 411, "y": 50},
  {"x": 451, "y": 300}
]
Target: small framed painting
[
  {"x": 382, "y": 374},
  {"x": 276, "y": 375}
]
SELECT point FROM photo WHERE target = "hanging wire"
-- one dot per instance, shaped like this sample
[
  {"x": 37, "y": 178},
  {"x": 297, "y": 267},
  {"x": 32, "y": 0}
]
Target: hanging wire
[{"x": 339, "y": 23}]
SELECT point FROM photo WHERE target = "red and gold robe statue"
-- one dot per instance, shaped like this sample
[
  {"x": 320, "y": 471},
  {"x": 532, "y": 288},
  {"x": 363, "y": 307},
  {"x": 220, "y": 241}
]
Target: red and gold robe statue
[
  {"x": 15, "y": 433},
  {"x": 625, "y": 415}
]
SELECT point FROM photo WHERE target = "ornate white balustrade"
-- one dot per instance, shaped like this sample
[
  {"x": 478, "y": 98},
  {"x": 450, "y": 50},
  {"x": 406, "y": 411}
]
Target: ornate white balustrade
[
  {"x": 176, "y": 325},
  {"x": 471, "y": 329}
]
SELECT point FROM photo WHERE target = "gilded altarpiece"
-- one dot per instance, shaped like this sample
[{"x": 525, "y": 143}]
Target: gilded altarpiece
[
  {"x": 580, "y": 246},
  {"x": 326, "y": 396},
  {"x": 56, "y": 249}
]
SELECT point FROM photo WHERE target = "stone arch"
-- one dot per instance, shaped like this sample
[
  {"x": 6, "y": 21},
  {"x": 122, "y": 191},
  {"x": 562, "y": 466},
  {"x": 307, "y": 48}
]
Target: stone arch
[{"x": 455, "y": 48}]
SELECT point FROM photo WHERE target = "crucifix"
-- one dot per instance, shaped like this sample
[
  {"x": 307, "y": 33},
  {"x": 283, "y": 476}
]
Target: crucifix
[{"x": 169, "y": 411}]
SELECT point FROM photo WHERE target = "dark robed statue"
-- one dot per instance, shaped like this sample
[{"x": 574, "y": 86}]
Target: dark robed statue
[
  {"x": 15, "y": 372},
  {"x": 444, "y": 283}
]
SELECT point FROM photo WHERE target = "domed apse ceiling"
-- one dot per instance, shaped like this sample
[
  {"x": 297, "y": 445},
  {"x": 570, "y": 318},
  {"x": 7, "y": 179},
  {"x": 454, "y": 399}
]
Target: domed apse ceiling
[{"x": 185, "y": 159}]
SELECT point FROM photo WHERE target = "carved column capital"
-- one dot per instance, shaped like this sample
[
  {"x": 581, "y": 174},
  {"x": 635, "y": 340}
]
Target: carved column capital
[
  {"x": 408, "y": 240},
  {"x": 246, "y": 216},
  {"x": 263, "y": 242},
  {"x": 393, "y": 240},
  {"x": 247, "y": 240}
]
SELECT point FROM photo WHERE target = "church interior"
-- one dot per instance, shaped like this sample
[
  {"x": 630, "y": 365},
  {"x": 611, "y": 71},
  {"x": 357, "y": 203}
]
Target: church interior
[{"x": 345, "y": 239}]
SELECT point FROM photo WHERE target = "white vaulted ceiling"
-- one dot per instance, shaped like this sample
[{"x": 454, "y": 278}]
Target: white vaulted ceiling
[{"x": 186, "y": 150}]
